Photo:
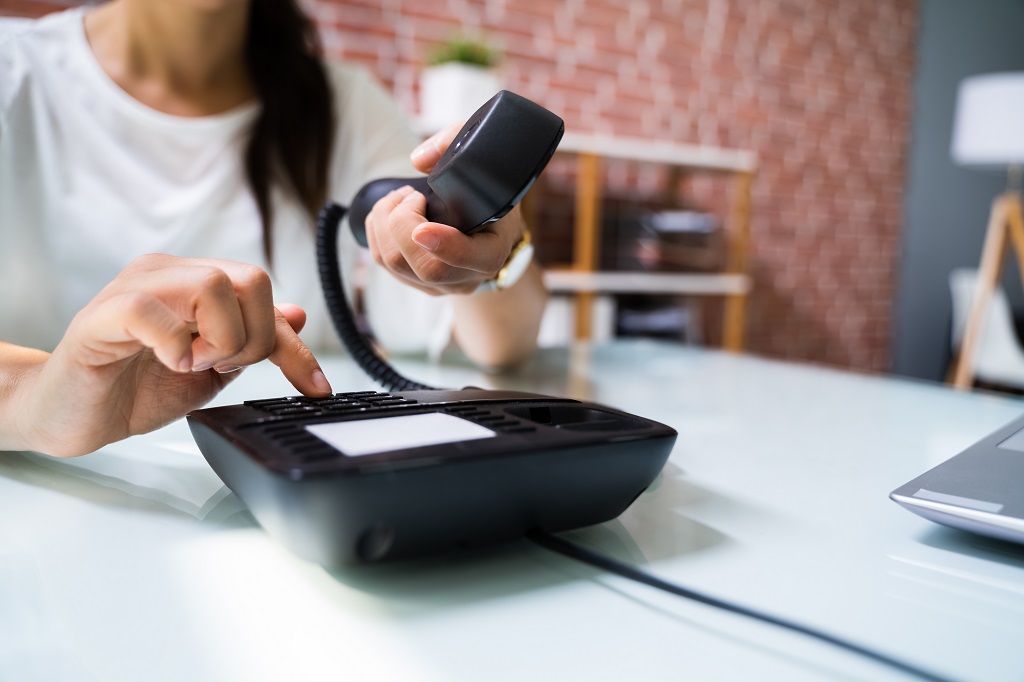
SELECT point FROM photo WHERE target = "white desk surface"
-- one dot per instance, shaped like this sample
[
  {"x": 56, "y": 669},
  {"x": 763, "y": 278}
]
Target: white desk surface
[{"x": 135, "y": 563}]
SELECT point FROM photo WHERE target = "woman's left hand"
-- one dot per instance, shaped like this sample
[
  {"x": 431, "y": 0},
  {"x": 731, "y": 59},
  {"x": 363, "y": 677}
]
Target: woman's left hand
[{"x": 435, "y": 258}]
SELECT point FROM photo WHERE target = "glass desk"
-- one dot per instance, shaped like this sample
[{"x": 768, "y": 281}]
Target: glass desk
[{"x": 136, "y": 563}]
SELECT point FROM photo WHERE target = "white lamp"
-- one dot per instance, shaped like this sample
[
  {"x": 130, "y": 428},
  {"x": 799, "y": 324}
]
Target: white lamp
[
  {"x": 989, "y": 127},
  {"x": 988, "y": 132}
]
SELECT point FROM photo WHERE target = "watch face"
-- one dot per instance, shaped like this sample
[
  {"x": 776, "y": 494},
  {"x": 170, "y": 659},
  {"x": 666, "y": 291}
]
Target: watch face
[{"x": 516, "y": 266}]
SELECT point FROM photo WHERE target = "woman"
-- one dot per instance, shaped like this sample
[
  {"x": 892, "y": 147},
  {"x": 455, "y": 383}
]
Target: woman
[{"x": 205, "y": 133}]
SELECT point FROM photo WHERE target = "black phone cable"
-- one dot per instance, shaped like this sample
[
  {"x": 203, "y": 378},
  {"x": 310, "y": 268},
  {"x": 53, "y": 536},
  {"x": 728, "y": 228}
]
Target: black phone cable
[
  {"x": 606, "y": 563},
  {"x": 341, "y": 312}
]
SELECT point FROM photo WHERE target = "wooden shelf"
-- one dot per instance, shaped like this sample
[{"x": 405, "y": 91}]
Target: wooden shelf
[
  {"x": 696, "y": 284},
  {"x": 690, "y": 157},
  {"x": 584, "y": 282}
]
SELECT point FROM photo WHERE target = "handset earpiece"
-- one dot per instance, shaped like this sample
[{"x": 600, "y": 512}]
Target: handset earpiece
[{"x": 492, "y": 162}]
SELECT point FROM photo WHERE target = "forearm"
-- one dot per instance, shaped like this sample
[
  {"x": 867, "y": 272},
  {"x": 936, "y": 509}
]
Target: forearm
[
  {"x": 499, "y": 329},
  {"x": 18, "y": 366}
]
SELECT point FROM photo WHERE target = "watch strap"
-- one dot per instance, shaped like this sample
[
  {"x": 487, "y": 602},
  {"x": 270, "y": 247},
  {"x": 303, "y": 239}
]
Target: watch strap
[{"x": 515, "y": 265}]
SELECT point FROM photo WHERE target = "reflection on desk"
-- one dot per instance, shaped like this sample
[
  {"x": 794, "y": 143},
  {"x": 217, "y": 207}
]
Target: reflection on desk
[{"x": 136, "y": 563}]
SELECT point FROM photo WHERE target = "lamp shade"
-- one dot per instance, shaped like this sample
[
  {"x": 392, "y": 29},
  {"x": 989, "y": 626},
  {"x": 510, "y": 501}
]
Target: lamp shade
[{"x": 989, "y": 126}]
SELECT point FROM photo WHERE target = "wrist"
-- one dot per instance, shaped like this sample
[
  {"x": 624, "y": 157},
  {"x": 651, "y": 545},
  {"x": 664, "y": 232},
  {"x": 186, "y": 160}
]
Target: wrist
[
  {"x": 515, "y": 266},
  {"x": 19, "y": 370}
]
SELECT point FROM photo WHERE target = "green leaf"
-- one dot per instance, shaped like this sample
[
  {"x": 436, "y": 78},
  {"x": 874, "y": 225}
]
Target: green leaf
[{"x": 464, "y": 51}]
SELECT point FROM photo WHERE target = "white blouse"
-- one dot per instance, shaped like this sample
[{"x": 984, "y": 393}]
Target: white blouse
[{"x": 90, "y": 178}]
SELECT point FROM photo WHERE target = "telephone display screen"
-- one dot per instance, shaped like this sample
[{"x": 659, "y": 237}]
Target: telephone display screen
[{"x": 370, "y": 436}]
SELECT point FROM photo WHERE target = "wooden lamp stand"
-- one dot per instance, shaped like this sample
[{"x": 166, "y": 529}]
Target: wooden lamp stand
[{"x": 1005, "y": 224}]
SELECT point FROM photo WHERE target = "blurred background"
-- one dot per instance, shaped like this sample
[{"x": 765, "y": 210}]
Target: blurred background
[{"x": 857, "y": 213}]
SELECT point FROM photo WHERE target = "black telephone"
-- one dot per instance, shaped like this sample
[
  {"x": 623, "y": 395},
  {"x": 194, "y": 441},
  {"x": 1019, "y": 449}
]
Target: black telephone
[{"x": 369, "y": 476}]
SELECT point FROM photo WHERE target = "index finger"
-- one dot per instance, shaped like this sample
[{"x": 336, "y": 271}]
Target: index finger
[
  {"x": 484, "y": 251},
  {"x": 296, "y": 360}
]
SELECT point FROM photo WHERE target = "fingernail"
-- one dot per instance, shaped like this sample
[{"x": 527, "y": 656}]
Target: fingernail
[
  {"x": 201, "y": 367},
  {"x": 419, "y": 151},
  {"x": 427, "y": 239},
  {"x": 412, "y": 195},
  {"x": 320, "y": 381},
  {"x": 226, "y": 369},
  {"x": 185, "y": 364}
]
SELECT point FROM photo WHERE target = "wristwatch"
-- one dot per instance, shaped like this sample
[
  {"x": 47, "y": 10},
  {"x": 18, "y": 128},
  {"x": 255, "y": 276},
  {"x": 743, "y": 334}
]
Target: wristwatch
[{"x": 515, "y": 265}]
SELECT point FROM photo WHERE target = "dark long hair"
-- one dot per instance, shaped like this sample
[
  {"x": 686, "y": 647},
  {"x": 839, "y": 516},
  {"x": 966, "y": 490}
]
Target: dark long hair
[{"x": 292, "y": 137}]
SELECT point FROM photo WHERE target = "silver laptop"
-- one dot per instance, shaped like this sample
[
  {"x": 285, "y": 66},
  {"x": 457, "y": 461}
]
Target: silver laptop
[{"x": 980, "y": 490}]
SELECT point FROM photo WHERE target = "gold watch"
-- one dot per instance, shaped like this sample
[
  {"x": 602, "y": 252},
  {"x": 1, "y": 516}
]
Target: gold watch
[{"x": 515, "y": 266}]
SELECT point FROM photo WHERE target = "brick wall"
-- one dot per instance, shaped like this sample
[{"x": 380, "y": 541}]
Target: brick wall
[{"x": 821, "y": 91}]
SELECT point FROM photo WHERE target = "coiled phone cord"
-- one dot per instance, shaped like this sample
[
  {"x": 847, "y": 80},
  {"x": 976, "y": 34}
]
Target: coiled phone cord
[{"x": 341, "y": 312}]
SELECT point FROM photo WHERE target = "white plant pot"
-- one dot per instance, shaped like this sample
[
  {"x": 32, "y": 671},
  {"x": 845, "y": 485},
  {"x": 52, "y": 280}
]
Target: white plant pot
[{"x": 450, "y": 93}]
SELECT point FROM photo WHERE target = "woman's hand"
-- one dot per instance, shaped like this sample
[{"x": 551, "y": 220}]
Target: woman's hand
[
  {"x": 160, "y": 340},
  {"x": 432, "y": 257},
  {"x": 497, "y": 329}
]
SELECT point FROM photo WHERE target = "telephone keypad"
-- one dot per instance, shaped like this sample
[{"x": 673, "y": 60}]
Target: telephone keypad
[{"x": 285, "y": 416}]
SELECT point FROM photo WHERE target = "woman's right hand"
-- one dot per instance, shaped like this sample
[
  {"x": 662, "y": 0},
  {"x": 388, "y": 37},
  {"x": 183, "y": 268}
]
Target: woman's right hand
[{"x": 159, "y": 341}]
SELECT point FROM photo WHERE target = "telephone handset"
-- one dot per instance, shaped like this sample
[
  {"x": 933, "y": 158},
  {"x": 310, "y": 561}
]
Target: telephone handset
[
  {"x": 369, "y": 476},
  {"x": 492, "y": 162}
]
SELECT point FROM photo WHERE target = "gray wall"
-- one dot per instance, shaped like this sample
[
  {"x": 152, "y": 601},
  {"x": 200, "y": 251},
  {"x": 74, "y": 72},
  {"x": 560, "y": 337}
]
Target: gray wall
[{"x": 946, "y": 206}]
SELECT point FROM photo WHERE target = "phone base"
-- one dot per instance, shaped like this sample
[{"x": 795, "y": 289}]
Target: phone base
[{"x": 551, "y": 465}]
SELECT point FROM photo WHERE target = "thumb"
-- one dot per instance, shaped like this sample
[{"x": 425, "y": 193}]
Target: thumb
[{"x": 426, "y": 156}]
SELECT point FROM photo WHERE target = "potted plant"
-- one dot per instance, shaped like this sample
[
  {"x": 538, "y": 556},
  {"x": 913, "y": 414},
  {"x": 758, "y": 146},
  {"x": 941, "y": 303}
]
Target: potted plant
[{"x": 460, "y": 76}]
